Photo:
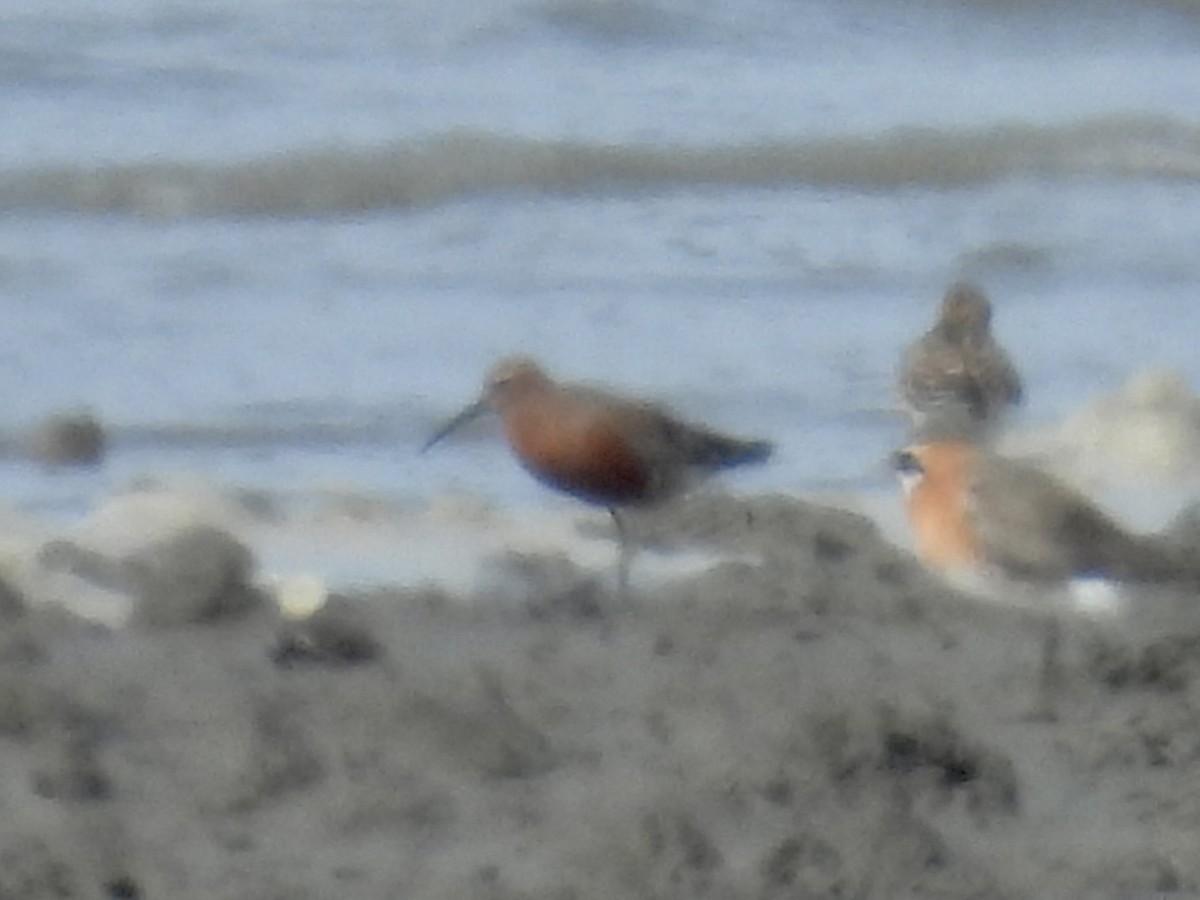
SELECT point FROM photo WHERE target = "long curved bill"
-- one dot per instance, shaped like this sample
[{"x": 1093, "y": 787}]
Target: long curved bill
[{"x": 474, "y": 411}]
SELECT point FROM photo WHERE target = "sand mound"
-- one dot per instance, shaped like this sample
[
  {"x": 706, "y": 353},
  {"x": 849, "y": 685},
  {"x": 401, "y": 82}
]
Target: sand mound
[{"x": 813, "y": 716}]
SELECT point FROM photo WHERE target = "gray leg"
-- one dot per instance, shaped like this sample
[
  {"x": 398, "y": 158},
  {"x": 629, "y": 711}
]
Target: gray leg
[
  {"x": 625, "y": 551},
  {"x": 1050, "y": 676}
]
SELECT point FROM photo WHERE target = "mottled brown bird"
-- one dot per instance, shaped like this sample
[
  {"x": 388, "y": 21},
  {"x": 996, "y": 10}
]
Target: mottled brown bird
[
  {"x": 956, "y": 379},
  {"x": 603, "y": 448}
]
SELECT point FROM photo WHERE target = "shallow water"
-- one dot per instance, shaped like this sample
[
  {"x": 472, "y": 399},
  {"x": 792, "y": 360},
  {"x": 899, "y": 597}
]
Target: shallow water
[{"x": 275, "y": 243}]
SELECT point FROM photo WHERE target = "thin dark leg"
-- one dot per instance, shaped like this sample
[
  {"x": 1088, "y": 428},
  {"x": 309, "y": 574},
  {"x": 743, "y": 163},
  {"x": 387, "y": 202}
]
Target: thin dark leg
[
  {"x": 1050, "y": 676},
  {"x": 624, "y": 554}
]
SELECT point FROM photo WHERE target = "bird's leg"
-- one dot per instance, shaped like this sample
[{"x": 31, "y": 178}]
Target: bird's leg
[
  {"x": 1050, "y": 674},
  {"x": 625, "y": 552}
]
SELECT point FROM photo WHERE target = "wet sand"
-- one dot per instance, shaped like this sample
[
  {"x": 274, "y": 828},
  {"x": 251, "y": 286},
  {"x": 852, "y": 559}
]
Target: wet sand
[{"x": 806, "y": 714}]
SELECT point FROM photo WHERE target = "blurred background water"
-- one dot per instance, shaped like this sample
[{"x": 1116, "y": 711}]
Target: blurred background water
[{"x": 275, "y": 242}]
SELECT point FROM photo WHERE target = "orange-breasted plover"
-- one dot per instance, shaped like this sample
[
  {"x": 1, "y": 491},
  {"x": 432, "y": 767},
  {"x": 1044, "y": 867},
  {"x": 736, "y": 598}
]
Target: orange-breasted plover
[
  {"x": 970, "y": 508},
  {"x": 974, "y": 513}
]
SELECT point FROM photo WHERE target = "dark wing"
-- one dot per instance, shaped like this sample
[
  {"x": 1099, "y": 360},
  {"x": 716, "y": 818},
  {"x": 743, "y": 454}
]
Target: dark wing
[
  {"x": 678, "y": 452},
  {"x": 1032, "y": 526},
  {"x": 705, "y": 448},
  {"x": 995, "y": 381}
]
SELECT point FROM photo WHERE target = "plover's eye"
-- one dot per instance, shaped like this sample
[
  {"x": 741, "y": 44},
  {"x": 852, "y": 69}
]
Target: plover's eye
[{"x": 906, "y": 463}]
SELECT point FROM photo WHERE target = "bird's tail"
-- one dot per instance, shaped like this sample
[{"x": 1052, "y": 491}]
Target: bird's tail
[
  {"x": 711, "y": 450},
  {"x": 1161, "y": 558}
]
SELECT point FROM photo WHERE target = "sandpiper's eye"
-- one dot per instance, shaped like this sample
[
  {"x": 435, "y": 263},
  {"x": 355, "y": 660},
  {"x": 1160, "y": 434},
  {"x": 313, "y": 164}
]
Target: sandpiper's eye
[
  {"x": 500, "y": 380},
  {"x": 906, "y": 463}
]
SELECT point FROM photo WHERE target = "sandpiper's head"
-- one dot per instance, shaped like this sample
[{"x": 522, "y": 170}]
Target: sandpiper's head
[
  {"x": 510, "y": 378},
  {"x": 965, "y": 310}
]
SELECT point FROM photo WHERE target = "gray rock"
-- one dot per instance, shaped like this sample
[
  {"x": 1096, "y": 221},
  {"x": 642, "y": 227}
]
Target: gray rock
[
  {"x": 194, "y": 574},
  {"x": 68, "y": 439}
]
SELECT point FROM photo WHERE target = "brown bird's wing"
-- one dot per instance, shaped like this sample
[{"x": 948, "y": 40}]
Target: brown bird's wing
[
  {"x": 952, "y": 388},
  {"x": 932, "y": 372},
  {"x": 995, "y": 378}
]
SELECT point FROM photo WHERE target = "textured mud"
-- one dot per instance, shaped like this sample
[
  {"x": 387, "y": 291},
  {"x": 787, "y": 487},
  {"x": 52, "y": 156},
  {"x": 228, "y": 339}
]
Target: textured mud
[{"x": 814, "y": 718}]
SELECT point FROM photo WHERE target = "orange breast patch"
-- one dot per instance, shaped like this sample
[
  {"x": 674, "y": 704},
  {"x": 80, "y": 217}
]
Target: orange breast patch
[{"x": 938, "y": 508}]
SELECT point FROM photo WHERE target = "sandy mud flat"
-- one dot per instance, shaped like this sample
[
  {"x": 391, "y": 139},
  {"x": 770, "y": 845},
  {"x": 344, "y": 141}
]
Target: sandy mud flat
[{"x": 803, "y": 713}]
